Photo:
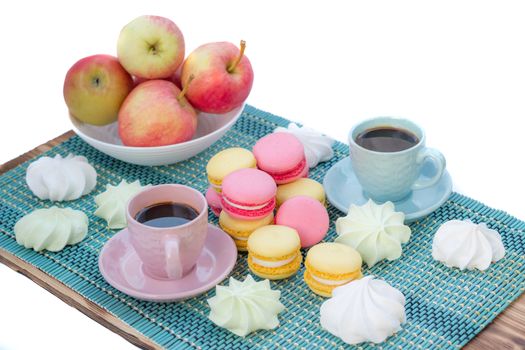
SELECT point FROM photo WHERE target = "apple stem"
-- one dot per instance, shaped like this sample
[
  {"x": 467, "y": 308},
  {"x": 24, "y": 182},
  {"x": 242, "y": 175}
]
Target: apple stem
[
  {"x": 185, "y": 88},
  {"x": 232, "y": 67}
]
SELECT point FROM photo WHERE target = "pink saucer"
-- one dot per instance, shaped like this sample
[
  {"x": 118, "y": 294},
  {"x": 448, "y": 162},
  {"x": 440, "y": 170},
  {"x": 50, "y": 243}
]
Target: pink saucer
[{"x": 121, "y": 267}]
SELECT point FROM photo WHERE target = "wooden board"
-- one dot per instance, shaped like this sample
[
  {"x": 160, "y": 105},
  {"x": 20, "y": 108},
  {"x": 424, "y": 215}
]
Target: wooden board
[{"x": 506, "y": 332}]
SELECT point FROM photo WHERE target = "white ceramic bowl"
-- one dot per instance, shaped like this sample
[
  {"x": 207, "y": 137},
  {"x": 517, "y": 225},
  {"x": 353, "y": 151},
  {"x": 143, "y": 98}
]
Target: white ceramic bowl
[{"x": 210, "y": 128}]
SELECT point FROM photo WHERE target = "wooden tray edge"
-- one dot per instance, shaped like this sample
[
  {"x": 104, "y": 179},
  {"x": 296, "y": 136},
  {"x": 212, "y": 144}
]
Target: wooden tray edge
[{"x": 35, "y": 151}]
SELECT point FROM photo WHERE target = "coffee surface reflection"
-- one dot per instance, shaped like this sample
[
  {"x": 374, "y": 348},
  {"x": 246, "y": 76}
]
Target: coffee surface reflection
[{"x": 166, "y": 214}]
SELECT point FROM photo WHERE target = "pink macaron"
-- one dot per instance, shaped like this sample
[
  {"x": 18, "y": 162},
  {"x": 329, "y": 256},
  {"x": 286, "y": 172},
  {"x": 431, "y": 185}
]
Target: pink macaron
[
  {"x": 248, "y": 194},
  {"x": 307, "y": 216},
  {"x": 214, "y": 201},
  {"x": 281, "y": 155}
]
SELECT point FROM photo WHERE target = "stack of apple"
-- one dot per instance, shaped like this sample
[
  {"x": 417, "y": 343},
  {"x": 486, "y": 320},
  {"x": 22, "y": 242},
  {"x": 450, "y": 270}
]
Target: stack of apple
[{"x": 151, "y": 90}]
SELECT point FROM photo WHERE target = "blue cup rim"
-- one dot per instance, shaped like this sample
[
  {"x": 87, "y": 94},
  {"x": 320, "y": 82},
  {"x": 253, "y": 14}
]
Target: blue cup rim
[{"x": 418, "y": 132}]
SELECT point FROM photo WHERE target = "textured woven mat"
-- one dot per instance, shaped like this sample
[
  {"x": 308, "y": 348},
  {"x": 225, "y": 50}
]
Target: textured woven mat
[{"x": 445, "y": 308}]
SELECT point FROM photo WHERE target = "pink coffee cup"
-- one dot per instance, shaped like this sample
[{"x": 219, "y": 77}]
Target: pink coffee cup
[{"x": 168, "y": 252}]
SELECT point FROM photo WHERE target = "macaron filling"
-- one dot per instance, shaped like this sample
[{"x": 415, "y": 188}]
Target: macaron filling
[
  {"x": 248, "y": 210},
  {"x": 330, "y": 282},
  {"x": 245, "y": 207},
  {"x": 240, "y": 238},
  {"x": 273, "y": 264},
  {"x": 289, "y": 174}
]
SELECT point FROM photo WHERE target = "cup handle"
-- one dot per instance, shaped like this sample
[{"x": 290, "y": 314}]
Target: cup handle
[
  {"x": 439, "y": 162},
  {"x": 173, "y": 263}
]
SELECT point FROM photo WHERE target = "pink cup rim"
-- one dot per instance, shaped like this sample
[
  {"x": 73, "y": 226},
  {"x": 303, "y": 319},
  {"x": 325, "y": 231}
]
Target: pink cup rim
[{"x": 202, "y": 210}]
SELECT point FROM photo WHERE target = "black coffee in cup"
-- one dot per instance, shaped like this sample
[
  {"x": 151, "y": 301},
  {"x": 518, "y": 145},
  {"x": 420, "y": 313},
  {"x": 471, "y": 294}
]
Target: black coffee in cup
[
  {"x": 386, "y": 139},
  {"x": 166, "y": 214}
]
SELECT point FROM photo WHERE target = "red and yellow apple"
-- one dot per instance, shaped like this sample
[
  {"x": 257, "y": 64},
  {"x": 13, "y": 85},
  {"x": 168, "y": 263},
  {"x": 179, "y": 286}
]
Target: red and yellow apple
[
  {"x": 95, "y": 87},
  {"x": 151, "y": 47},
  {"x": 223, "y": 77},
  {"x": 156, "y": 113}
]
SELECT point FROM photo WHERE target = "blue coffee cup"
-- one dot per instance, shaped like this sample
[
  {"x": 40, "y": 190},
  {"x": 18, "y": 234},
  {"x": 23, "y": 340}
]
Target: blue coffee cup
[{"x": 392, "y": 176}]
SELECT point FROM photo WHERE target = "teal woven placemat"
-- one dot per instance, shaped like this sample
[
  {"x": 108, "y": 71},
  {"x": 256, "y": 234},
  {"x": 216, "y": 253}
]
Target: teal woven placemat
[{"x": 445, "y": 307}]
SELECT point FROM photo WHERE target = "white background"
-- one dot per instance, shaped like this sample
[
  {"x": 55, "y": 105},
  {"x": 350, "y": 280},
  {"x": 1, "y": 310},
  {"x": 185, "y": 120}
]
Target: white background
[{"x": 455, "y": 67}]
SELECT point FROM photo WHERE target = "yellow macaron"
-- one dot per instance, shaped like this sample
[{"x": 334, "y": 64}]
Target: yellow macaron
[
  {"x": 226, "y": 162},
  {"x": 330, "y": 265},
  {"x": 240, "y": 230},
  {"x": 274, "y": 252},
  {"x": 301, "y": 187}
]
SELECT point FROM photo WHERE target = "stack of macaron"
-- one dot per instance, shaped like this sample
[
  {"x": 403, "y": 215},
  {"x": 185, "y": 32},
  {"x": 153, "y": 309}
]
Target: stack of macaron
[
  {"x": 245, "y": 198},
  {"x": 248, "y": 202}
]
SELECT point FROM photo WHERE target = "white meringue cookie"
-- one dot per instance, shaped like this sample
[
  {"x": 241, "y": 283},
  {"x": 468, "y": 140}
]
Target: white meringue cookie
[
  {"x": 317, "y": 147},
  {"x": 376, "y": 231},
  {"x": 364, "y": 310},
  {"x": 61, "y": 179},
  {"x": 244, "y": 307},
  {"x": 466, "y": 245},
  {"x": 51, "y": 228},
  {"x": 112, "y": 202}
]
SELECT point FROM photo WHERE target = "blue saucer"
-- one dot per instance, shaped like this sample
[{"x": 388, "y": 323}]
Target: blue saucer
[{"x": 342, "y": 189}]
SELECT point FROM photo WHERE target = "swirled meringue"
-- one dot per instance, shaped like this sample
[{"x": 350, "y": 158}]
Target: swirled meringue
[
  {"x": 466, "y": 245},
  {"x": 376, "y": 231},
  {"x": 244, "y": 307},
  {"x": 61, "y": 179},
  {"x": 112, "y": 202},
  {"x": 317, "y": 147},
  {"x": 51, "y": 228},
  {"x": 364, "y": 310}
]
